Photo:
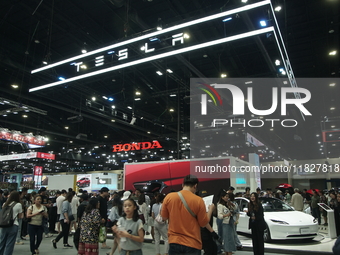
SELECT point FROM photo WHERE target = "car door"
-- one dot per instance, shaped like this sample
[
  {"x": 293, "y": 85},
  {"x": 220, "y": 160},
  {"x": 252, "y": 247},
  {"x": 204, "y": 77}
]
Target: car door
[{"x": 244, "y": 219}]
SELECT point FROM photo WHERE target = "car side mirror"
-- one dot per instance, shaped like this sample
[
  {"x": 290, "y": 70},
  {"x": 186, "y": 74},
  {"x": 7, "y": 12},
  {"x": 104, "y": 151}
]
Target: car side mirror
[{"x": 245, "y": 210}]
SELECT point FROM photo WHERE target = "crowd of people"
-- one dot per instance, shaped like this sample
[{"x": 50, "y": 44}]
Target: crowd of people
[{"x": 181, "y": 219}]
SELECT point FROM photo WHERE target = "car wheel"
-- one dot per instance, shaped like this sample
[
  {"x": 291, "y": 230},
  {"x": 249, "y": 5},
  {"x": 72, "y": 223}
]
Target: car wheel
[{"x": 266, "y": 235}]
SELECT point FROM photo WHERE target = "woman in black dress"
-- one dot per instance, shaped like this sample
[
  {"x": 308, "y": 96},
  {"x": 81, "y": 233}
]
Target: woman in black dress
[{"x": 256, "y": 223}]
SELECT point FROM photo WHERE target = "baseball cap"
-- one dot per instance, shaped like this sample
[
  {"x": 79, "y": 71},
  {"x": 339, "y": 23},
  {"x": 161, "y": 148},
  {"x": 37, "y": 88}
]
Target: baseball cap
[
  {"x": 126, "y": 195},
  {"x": 104, "y": 189}
]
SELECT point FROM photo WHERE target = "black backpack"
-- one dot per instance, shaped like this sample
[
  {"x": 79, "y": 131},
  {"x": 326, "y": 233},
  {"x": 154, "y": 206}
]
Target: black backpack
[{"x": 6, "y": 216}]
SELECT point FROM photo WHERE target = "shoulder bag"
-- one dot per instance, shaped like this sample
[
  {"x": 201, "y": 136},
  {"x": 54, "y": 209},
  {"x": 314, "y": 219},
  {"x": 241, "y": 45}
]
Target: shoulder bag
[{"x": 186, "y": 205}]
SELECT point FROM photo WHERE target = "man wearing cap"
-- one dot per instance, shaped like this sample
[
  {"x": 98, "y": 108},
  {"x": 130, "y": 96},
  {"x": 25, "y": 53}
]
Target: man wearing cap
[{"x": 104, "y": 193}]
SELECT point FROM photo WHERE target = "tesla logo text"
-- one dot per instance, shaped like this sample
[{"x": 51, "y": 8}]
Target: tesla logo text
[
  {"x": 238, "y": 100},
  {"x": 136, "y": 146}
]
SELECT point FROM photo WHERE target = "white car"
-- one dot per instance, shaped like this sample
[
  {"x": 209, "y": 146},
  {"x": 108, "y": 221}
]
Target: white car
[{"x": 282, "y": 221}]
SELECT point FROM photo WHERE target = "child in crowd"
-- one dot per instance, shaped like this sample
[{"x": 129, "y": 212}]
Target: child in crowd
[{"x": 130, "y": 229}]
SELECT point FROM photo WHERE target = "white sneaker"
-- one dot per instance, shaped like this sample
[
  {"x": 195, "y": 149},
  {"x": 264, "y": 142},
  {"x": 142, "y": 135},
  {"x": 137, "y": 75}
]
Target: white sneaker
[
  {"x": 19, "y": 243},
  {"x": 48, "y": 235}
]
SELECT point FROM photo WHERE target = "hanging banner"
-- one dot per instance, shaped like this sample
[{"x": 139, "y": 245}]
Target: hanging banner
[{"x": 37, "y": 173}]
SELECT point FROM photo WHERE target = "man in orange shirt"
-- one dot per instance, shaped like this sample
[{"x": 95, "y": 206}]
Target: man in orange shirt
[{"x": 184, "y": 229}]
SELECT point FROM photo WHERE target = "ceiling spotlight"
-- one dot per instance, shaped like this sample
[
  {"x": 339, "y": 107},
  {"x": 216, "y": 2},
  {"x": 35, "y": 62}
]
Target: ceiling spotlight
[
  {"x": 138, "y": 93},
  {"x": 84, "y": 51},
  {"x": 169, "y": 70},
  {"x": 171, "y": 110},
  {"x": 83, "y": 67},
  {"x": 277, "y": 62},
  {"x": 14, "y": 86},
  {"x": 45, "y": 62},
  {"x": 332, "y": 53},
  {"x": 110, "y": 99},
  {"x": 278, "y": 8},
  {"x": 61, "y": 78},
  {"x": 113, "y": 106},
  {"x": 159, "y": 73},
  {"x": 186, "y": 36},
  {"x": 36, "y": 41},
  {"x": 172, "y": 95},
  {"x": 66, "y": 127},
  {"x": 137, "y": 99},
  {"x": 24, "y": 116},
  {"x": 223, "y": 75},
  {"x": 159, "y": 24},
  {"x": 129, "y": 107},
  {"x": 149, "y": 132},
  {"x": 104, "y": 97},
  {"x": 244, "y": 1},
  {"x": 227, "y": 19},
  {"x": 263, "y": 23},
  {"x": 332, "y": 108},
  {"x": 332, "y": 84}
]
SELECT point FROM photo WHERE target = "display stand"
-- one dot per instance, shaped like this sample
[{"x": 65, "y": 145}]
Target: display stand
[{"x": 331, "y": 220}]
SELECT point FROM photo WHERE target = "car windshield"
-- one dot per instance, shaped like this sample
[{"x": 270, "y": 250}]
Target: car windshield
[{"x": 274, "y": 205}]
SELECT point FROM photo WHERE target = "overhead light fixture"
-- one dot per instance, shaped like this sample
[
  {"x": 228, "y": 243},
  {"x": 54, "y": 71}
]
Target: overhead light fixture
[
  {"x": 66, "y": 127},
  {"x": 159, "y": 73},
  {"x": 332, "y": 84},
  {"x": 332, "y": 108},
  {"x": 110, "y": 99},
  {"x": 263, "y": 23},
  {"x": 332, "y": 53},
  {"x": 244, "y": 1},
  {"x": 277, "y": 62},
  {"x": 278, "y": 8},
  {"x": 149, "y": 132},
  {"x": 223, "y": 75},
  {"x": 93, "y": 98},
  {"x": 137, "y": 99},
  {"x": 129, "y": 107},
  {"x": 84, "y": 51},
  {"x": 45, "y": 62},
  {"x": 151, "y": 58},
  {"x": 227, "y": 19},
  {"x": 169, "y": 29},
  {"x": 14, "y": 86},
  {"x": 171, "y": 109},
  {"x": 83, "y": 67},
  {"x": 61, "y": 78},
  {"x": 186, "y": 36},
  {"x": 153, "y": 39},
  {"x": 113, "y": 106},
  {"x": 104, "y": 97},
  {"x": 110, "y": 52},
  {"x": 172, "y": 95},
  {"x": 169, "y": 70},
  {"x": 24, "y": 116}
]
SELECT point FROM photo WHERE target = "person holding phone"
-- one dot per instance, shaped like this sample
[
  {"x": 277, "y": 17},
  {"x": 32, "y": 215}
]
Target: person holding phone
[{"x": 36, "y": 213}]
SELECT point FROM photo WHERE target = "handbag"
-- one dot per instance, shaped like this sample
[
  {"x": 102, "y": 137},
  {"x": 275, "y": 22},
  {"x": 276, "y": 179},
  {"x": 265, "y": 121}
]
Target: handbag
[
  {"x": 102, "y": 234},
  {"x": 141, "y": 216},
  {"x": 159, "y": 218},
  {"x": 29, "y": 219}
]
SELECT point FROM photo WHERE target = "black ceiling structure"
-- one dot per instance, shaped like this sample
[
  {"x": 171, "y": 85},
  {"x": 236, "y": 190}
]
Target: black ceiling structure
[{"x": 146, "y": 106}]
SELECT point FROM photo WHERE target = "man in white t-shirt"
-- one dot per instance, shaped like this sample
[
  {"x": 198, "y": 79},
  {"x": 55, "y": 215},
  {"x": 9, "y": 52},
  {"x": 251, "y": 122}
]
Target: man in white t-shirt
[
  {"x": 59, "y": 202},
  {"x": 74, "y": 207}
]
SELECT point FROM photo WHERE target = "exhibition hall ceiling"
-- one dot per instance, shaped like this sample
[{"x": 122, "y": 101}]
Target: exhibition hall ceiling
[{"x": 151, "y": 100}]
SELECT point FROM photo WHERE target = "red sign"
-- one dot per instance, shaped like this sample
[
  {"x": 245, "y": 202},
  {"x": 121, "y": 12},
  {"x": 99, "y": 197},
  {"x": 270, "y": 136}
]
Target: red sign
[
  {"x": 37, "y": 173},
  {"x": 136, "y": 146},
  {"x": 45, "y": 155}
]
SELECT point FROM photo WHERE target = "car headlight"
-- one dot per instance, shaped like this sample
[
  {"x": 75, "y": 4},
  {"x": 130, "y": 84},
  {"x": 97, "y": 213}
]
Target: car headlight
[{"x": 280, "y": 222}]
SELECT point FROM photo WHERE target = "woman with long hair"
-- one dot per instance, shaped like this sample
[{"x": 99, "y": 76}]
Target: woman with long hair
[
  {"x": 161, "y": 228},
  {"x": 65, "y": 219},
  {"x": 8, "y": 235},
  {"x": 225, "y": 211},
  {"x": 256, "y": 223},
  {"x": 89, "y": 229},
  {"x": 36, "y": 212}
]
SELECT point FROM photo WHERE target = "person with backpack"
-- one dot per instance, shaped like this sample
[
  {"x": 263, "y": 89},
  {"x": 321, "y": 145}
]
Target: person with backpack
[{"x": 9, "y": 225}]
